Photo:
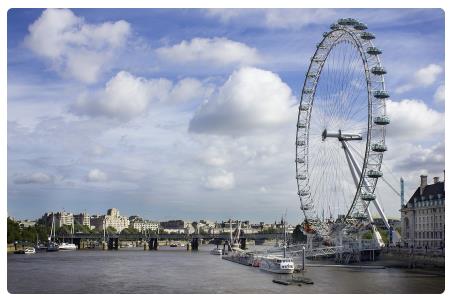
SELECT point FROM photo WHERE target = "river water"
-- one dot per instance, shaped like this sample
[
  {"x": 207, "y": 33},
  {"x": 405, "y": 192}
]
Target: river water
[{"x": 173, "y": 270}]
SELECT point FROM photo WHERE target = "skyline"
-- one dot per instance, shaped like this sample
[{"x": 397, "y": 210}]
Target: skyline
[{"x": 80, "y": 142}]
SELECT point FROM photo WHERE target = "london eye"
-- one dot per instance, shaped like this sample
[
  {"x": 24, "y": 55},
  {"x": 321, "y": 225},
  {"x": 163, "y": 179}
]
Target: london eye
[{"x": 341, "y": 129}]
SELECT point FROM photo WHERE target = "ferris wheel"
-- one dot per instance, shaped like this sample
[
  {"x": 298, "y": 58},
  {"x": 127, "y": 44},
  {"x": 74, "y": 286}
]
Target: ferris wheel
[{"x": 341, "y": 127}]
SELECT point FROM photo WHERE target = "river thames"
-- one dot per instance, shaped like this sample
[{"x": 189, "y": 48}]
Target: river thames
[{"x": 174, "y": 270}]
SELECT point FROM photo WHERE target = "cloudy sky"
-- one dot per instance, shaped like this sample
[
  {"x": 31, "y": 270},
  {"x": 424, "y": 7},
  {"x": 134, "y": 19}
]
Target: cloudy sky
[{"x": 191, "y": 114}]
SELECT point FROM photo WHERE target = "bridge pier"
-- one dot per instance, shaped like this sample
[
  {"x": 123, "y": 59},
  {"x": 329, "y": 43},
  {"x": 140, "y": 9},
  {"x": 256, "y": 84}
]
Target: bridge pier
[
  {"x": 113, "y": 243},
  {"x": 153, "y": 244},
  {"x": 243, "y": 243},
  {"x": 195, "y": 242}
]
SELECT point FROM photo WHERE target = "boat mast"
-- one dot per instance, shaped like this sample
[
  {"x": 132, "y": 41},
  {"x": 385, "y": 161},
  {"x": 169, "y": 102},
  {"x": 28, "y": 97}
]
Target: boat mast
[
  {"x": 72, "y": 231},
  {"x": 231, "y": 234},
  {"x": 285, "y": 239}
]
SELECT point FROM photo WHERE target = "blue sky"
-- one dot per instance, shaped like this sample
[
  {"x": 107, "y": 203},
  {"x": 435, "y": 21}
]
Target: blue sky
[{"x": 102, "y": 105}]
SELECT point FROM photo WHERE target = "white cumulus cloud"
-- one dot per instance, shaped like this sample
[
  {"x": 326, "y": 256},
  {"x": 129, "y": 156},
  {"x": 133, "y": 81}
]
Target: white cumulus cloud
[
  {"x": 96, "y": 175},
  {"x": 223, "y": 180},
  {"x": 439, "y": 95},
  {"x": 126, "y": 96},
  {"x": 73, "y": 47},
  {"x": 424, "y": 77},
  {"x": 250, "y": 100},
  {"x": 413, "y": 120},
  {"x": 215, "y": 51}
]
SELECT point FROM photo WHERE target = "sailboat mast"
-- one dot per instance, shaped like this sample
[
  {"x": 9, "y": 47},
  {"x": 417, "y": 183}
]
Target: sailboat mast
[
  {"x": 284, "y": 244},
  {"x": 72, "y": 231},
  {"x": 231, "y": 233}
]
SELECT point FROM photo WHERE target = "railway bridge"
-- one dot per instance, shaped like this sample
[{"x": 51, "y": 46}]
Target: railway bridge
[{"x": 112, "y": 240}]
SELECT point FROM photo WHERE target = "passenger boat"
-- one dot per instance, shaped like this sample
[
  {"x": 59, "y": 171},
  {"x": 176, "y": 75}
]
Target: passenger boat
[{"x": 276, "y": 264}]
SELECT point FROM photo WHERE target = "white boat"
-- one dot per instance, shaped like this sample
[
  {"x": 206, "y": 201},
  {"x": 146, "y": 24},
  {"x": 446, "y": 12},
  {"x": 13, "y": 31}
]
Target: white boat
[
  {"x": 276, "y": 264},
  {"x": 216, "y": 251},
  {"x": 67, "y": 246},
  {"x": 30, "y": 250}
]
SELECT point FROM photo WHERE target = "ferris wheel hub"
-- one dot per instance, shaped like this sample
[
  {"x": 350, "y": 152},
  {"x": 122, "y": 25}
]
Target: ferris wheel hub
[{"x": 341, "y": 136}]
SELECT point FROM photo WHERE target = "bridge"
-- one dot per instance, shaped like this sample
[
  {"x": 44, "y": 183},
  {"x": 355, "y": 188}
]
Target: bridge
[
  {"x": 173, "y": 237},
  {"x": 111, "y": 241}
]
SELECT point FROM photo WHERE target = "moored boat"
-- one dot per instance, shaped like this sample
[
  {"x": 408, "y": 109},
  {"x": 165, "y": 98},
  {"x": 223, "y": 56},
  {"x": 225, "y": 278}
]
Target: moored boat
[
  {"x": 52, "y": 246},
  {"x": 67, "y": 247},
  {"x": 278, "y": 264},
  {"x": 275, "y": 264},
  {"x": 216, "y": 251},
  {"x": 29, "y": 250}
]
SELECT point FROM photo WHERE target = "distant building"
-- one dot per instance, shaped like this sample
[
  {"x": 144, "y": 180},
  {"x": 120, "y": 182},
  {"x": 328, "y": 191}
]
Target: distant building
[
  {"x": 111, "y": 219},
  {"x": 61, "y": 219},
  {"x": 27, "y": 223},
  {"x": 143, "y": 225},
  {"x": 173, "y": 224},
  {"x": 83, "y": 219},
  {"x": 177, "y": 226},
  {"x": 423, "y": 216}
]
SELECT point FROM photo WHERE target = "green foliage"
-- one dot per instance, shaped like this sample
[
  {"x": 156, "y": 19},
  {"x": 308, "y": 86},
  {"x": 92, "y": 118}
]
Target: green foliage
[
  {"x": 64, "y": 230},
  {"x": 368, "y": 235},
  {"x": 384, "y": 235},
  {"x": 82, "y": 228},
  {"x": 14, "y": 232},
  {"x": 297, "y": 235},
  {"x": 26, "y": 234},
  {"x": 111, "y": 230},
  {"x": 130, "y": 230}
]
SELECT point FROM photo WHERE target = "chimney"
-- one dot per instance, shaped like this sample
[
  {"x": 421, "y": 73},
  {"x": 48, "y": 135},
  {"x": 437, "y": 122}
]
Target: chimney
[
  {"x": 423, "y": 183},
  {"x": 435, "y": 179}
]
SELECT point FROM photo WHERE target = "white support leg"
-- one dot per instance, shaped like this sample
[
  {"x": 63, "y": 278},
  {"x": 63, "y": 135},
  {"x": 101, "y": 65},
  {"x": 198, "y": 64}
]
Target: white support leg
[{"x": 358, "y": 171}]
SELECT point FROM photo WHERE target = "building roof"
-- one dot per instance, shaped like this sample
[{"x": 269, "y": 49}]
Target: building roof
[{"x": 431, "y": 189}]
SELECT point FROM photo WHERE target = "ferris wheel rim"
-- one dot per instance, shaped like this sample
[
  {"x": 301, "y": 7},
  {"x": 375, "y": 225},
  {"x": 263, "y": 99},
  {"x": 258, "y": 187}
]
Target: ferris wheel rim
[{"x": 362, "y": 41}]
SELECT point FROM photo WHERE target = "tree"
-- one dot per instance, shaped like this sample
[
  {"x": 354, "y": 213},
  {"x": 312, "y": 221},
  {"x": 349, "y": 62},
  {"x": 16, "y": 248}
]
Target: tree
[
  {"x": 130, "y": 230},
  {"x": 43, "y": 232},
  {"x": 297, "y": 235},
  {"x": 14, "y": 233},
  {"x": 29, "y": 234},
  {"x": 65, "y": 230},
  {"x": 111, "y": 230}
]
